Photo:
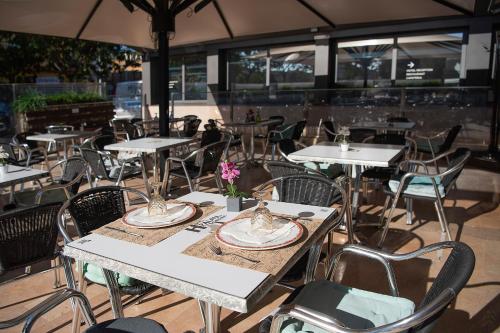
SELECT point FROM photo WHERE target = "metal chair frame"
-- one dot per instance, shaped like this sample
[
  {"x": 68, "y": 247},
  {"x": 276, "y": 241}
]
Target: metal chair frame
[
  {"x": 190, "y": 157},
  {"x": 423, "y": 318},
  {"x": 437, "y": 199},
  {"x": 280, "y": 134}
]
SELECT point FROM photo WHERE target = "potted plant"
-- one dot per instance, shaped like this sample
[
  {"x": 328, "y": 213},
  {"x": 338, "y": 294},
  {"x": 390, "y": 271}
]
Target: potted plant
[
  {"x": 343, "y": 138},
  {"x": 234, "y": 197},
  {"x": 4, "y": 158}
]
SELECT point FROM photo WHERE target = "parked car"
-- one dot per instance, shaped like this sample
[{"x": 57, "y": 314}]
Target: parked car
[{"x": 127, "y": 100}]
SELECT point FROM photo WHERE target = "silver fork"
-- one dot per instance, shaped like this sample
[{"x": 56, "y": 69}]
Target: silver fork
[{"x": 218, "y": 251}]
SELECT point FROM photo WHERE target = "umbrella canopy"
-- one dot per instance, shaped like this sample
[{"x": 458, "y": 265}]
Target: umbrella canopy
[{"x": 110, "y": 20}]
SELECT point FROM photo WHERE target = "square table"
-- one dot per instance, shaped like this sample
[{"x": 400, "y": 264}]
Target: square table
[
  {"x": 70, "y": 135},
  {"x": 215, "y": 284},
  {"x": 18, "y": 175},
  {"x": 250, "y": 157},
  {"x": 359, "y": 154},
  {"x": 151, "y": 145}
]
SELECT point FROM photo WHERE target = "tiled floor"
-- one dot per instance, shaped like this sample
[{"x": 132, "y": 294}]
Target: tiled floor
[{"x": 474, "y": 217}]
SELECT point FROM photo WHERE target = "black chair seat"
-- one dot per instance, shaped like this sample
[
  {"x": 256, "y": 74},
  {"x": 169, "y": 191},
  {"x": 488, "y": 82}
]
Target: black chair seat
[
  {"x": 139, "y": 289},
  {"x": 128, "y": 325}
]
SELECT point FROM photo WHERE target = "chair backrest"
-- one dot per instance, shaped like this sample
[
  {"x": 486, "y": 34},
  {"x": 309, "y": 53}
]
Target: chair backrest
[
  {"x": 101, "y": 141},
  {"x": 450, "y": 138},
  {"x": 390, "y": 139},
  {"x": 454, "y": 275},
  {"x": 191, "y": 126},
  {"x": 279, "y": 121},
  {"x": 331, "y": 128},
  {"x": 299, "y": 128},
  {"x": 28, "y": 236},
  {"x": 358, "y": 135},
  {"x": 20, "y": 139},
  {"x": 457, "y": 161},
  {"x": 212, "y": 155},
  {"x": 286, "y": 147},
  {"x": 210, "y": 135},
  {"x": 306, "y": 189},
  {"x": 94, "y": 159},
  {"x": 74, "y": 168},
  {"x": 59, "y": 129},
  {"x": 279, "y": 169},
  {"x": 96, "y": 207},
  {"x": 7, "y": 147}
]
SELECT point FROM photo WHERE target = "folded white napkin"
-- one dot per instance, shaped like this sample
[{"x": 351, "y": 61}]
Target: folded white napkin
[
  {"x": 141, "y": 215},
  {"x": 243, "y": 232}
]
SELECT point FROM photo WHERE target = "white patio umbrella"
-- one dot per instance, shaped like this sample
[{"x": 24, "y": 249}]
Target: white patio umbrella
[{"x": 140, "y": 22}]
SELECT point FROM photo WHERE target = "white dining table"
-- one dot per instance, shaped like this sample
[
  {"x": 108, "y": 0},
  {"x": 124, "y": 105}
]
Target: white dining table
[
  {"x": 53, "y": 137},
  {"x": 150, "y": 145},
  {"x": 250, "y": 156},
  {"x": 214, "y": 284},
  {"x": 359, "y": 155},
  {"x": 18, "y": 175}
]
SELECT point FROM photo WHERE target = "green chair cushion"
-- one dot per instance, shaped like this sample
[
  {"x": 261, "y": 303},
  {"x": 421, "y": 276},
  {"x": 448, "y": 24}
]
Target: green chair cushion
[
  {"x": 420, "y": 186},
  {"x": 355, "y": 308},
  {"x": 331, "y": 170},
  {"x": 94, "y": 273}
]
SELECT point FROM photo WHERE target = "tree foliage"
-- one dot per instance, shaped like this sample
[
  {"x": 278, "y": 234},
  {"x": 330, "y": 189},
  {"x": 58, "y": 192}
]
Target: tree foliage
[{"x": 23, "y": 57}]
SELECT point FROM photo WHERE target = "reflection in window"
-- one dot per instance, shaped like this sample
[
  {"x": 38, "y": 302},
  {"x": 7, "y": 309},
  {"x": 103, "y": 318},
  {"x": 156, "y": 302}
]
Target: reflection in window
[
  {"x": 247, "y": 69},
  {"x": 429, "y": 60},
  {"x": 190, "y": 72},
  {"x": 292, "y": 67},
  {"x": 364, "y": 63},
  {"x": 196, "y": 77}
]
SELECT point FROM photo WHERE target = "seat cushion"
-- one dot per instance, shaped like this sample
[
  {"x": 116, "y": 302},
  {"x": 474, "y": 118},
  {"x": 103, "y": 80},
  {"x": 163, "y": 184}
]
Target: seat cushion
[
  {"x": 419, "y": 186},
  {"x": 355, "y": 308},
  {"x": 94, "y": 273},
  {"x": 127, "y": 325}
]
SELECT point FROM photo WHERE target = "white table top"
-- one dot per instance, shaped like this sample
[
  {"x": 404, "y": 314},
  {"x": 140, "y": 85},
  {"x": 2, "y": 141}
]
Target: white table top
[
  {"x": 365, "y": 154},
  {"x": 165, "y": 266},
  {"x": 60, "y": 137},
  {"x": 253, "y": 124},
  {"x": 397, "y": 125},
  {"x": 16, "y": 175},
  {"x": 149, "y": 145}
]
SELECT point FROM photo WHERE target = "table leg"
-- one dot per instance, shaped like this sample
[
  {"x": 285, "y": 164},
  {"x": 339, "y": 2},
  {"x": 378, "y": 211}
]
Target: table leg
[
  {"x": 114, "y": 293},
  {"x": 65, "y": 152},
  {"x": 252, "y": 143},
  {"x": 355, "y": 195},
  {"x": 348, "y": 211},
  {"x": 211, "y": 316}
]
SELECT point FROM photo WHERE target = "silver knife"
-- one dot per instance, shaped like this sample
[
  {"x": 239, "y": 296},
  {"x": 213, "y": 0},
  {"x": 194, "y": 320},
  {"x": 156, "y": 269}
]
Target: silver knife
[{"x": 124, "y": 231}]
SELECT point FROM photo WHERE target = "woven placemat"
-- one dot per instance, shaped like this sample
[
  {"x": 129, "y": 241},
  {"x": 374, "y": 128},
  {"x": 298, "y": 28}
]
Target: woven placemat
[
  {"x": 150, "y": 237},
  {"x": 270, "y": 261}
]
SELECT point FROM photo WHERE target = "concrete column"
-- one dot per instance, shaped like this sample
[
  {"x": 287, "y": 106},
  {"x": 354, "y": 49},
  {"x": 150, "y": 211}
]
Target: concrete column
[
  {"x": 212, "y": 75},
  {"x": 478, "y": 50},
  {"x": 322, "y": 62}
]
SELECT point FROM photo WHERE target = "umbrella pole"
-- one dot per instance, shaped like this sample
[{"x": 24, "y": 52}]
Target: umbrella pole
[{"x": 163, "y": 44}]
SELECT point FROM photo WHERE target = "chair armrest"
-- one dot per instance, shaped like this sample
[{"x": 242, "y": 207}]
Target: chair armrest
[
  {"x": 280, "y": 132},
  {"x": 333, "y": 325},
  {"x": 434, "y": 136},
  {"x": 330, "y": 132}
]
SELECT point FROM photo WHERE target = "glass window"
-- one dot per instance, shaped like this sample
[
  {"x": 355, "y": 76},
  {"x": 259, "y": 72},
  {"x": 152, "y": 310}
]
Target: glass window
[
  {"x": 292, "y": 67},
  {"x": 429, "y": 60},
  {"x": 188, "y": 72},
  {"x": 247, "y": 69},
  {"x": 196, "y": 77},
  {"x": 175, "y": 77},
  {"x": 364, "y": 63}
]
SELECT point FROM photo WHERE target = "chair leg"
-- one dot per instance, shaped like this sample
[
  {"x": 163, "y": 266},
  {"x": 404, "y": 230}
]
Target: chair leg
[
  {"x": 273, "y": 152},
  {"x": 57, "y": 276},
  {"x": 409, "y": 211},
  {"x": 388, "y": 222},
  {"x": 442, "y": 218},
  {"x": 382, "y": 215}
]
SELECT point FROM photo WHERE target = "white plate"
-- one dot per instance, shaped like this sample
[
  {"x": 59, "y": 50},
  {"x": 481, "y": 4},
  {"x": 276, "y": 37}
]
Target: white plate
[
  {"x": 139, "y": 218},
  {"x": 292, "y": 232}
]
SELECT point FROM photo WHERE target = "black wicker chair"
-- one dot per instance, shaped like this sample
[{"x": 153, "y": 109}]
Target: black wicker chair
[
  {"x": 67, "y": 185},
  {"x": 318, "y": 304},
  {"x": 191, "y": 125},
  {"x": 31, "y": 147},
  {"x": 358, "y": 135},
  {"x": 25, "y": 158},
  {"x": 29, "y": 236},
  {"x": 195, "y": 165},
  {"x": 306, "y": 189},
  {"x": 92, "y": 209},
  {"x": 279, "y": 120},
  {"x": 298, "y": 130},
  {"x": 329, "y": 129},
  {"x": 125, "y": 169},
  {"x": 128, "y": 325},
  {"x": 275, "y": 136}
]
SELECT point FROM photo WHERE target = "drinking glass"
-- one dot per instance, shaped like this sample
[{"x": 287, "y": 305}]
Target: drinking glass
[
  {"x": 157, "y": 205},
  {"x": 262, "y": 217}
]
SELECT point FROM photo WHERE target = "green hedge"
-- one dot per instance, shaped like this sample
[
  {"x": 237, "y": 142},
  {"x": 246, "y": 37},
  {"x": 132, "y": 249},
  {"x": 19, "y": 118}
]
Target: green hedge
[{"x": 34, "y": 101}]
